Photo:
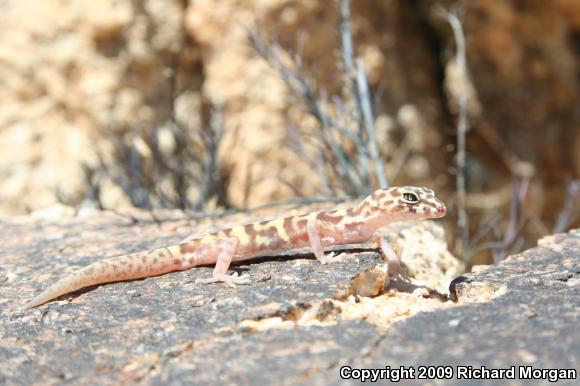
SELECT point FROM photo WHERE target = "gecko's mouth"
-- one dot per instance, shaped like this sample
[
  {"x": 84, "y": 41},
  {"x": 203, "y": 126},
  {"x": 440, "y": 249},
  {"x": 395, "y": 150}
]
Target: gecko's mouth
[{"x": 440, "y": 210}]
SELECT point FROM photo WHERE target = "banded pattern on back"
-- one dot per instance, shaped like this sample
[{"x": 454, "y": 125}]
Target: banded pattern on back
[{"x": 271, "y": 235}]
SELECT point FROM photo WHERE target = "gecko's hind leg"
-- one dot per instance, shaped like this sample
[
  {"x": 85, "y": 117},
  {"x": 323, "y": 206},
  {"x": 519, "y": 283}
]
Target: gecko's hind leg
[{"x": 225, "y": 250}]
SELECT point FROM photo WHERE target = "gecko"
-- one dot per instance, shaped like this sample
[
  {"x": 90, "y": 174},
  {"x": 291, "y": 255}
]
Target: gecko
[{"x": 317, "y": 231}]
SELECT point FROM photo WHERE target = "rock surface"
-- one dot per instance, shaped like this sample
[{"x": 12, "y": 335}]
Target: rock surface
[
  {"x": 523, "y": 312},
  {"x": 297, "y": 323},
  {"x": 167, "y": 328}
]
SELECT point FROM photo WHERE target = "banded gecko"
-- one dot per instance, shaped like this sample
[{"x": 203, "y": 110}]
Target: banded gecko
[{"x": 318, "y": 230}]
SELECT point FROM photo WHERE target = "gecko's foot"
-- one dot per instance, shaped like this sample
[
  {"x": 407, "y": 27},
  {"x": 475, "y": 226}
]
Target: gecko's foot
[
  {"x": 396, "y": 271},
  {"x": 332, "y": 258},
  {"x": 229, "y": 280}
]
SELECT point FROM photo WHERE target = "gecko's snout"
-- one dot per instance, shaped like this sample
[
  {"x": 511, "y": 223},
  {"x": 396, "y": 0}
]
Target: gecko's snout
[{"x": 441, "y": 209}]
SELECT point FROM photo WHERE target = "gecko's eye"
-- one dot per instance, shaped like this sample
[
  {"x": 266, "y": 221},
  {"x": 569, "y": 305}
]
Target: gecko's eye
[{"x": 410, "y": 198}]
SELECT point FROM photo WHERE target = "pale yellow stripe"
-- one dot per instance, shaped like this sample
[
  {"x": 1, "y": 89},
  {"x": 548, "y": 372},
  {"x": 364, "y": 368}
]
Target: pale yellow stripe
[
  {"x": 240, "y": 233},
  {"x": 279, "y": 225}
]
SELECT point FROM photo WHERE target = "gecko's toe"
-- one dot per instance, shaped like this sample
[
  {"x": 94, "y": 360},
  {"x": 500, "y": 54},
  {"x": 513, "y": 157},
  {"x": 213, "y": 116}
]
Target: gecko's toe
[
  {"x": 334, "y": 258},
  {"x": 244, "y": 280},
  {"x": 238, "y": 280},
  {"x": 230, "y": 284},
  {"x": 229, "y": 280},
  {"x": 397, "y": 272},
  {"x": 325, "y": 259}
]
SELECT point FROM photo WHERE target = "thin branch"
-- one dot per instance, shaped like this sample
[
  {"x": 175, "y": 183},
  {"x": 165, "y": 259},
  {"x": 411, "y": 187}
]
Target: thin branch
[
  {"x": 350, "y": 73},
  {"x": 365, "y": 98},
  {"x": 348, "y": 60},
  {"x": 569, "y": 211},
  {"x": 460, "y": 58}
]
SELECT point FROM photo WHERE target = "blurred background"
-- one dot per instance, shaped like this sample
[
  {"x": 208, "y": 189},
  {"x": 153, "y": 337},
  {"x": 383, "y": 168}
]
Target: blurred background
[{"x": 206, "y": 105}]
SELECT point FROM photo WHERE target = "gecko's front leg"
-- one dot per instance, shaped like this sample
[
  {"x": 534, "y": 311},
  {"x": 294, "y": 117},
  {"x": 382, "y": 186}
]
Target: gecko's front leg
[
  {"x": 224, "y": 250},
  {"x": 393, "y": 261},
  {"x": 315, "y": 239}
]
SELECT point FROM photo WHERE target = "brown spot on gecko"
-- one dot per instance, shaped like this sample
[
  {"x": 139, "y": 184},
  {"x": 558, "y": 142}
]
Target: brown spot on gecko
[
  {"x": 301, "y": 224},
  {"x": 365, "y": 209},
  {"x": 355, "y": 224},
  {"x": 300, "y": 233},
  {"x": 250, "y": 229},
  {"x": 189, "y": 247},
  {"x": 365, "y": 206},
  {"x": 331, "y": 217},
  {"x": 353, "y": 212},
  {"x": 270, "y": 233},
  {"x": 288, "y": 226},
  {"x": 251, "y": 232},
  {"x": 379, "y": 195},
  {"x": 429, "y": 204},
  {"x": 397, "y": 208},
  {"x": 221, "y": 234}
]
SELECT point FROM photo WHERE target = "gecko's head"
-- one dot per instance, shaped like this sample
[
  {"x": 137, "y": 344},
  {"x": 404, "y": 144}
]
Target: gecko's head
[{"x": 407, "y": 202}]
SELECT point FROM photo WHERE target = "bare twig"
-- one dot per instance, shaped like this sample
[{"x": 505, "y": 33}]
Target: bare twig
[
  {"x": 296, "y": 81},
  {"x": 349, "y": 173},
  {"x": 156, "y": 176},
  {"x": 362, "y": 113},
  {"x": 211, "y": 137},
  {"x": 511, "y": 238},
  {"x": 365, "y": 99},
  {"x": 348, "y": 61},
  {"x": 460, "y": 58},
  {"x": 569, "y": 211}
]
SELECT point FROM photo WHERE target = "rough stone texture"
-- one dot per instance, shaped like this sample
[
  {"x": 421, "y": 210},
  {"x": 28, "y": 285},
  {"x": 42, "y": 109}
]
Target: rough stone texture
[
  {"x": 299, "y": 322},
  {"x": 167, "y": 329},
  {"x": 69, "y": 71},
  {"x": 524, "y": 311}
]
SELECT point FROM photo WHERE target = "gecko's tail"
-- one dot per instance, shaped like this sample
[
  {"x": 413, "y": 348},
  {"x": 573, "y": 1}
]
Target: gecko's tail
[{"x": 126, "y": 267}]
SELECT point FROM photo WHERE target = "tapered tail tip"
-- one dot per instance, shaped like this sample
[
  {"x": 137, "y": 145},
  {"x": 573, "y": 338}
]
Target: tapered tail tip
[
  {"x": 35, "y": 302},
  {"x": 29, "y": 305}
]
